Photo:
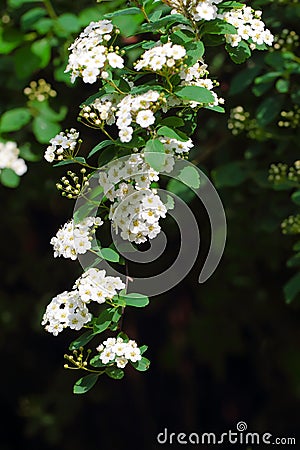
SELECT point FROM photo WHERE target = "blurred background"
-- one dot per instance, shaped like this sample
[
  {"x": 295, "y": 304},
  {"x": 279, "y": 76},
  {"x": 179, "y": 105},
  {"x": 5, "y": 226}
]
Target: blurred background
[{"x": 221, "y": 352}]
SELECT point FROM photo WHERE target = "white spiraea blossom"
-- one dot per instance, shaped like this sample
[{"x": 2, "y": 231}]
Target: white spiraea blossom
[
  {"x": 66, "y": 310},
  {"x": 9, "y": 158},
  {"x": 69, "y": 309},
  {"x": 63, "y": 145},
  {"x": 197, "y": 9},
  {"x": 127, "y": 111},
  {"x": 162, "y": 58},
  {"x": 249, "y": 27},
  {"x": 95, "y": 286},
  {"x": 75, "y": 238},
  {"x": 116, "y": 350},
  {"x": 91, "y": 55}
]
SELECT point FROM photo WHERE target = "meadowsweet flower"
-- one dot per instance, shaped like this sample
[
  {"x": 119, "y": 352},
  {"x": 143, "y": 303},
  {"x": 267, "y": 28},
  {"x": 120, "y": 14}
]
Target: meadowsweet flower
[
  {"x": 63, "y": 146},
  {"x": 118, "y": 351},
  {"x": 65, "y": 310},
  {"x": 95, "y": 286},
  {"x": 90, "y": 54},
  {"x": 162, "y": 58},
  {"x": 74, "y": 238},
  {"x": 9, "y": 158}
]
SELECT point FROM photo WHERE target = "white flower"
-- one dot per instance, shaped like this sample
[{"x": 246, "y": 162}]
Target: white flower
[
  {"x": 115, "y": 60},
  {"x": 90, "y": 74},
  {"x": 9, "y": 158},
  {"x": 145, "y": 118}
]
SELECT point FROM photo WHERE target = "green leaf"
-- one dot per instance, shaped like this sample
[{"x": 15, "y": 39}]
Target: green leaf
[
  {"x": 240, "y": 53},
  {"x": 99, "y": 147},
  {"x": 24, "y": 53},
  {"x": 296, "y": 197},
  {"x": 42, "y": 49},
  {"x": 172, "y": 134},
  {"x": 137, "y": 300},
  {"x": 48, "y": 113},
  {"x": 108, "y": 254},
  {"x": 14, "y": 119},
  {"x": 123, "y": 12},
  {"x": 115, "y": 373},
  {"x": 142, "y": 365},
  {"x": 292, "y": 288},
  {"x": 9, "y": 178},
  {"x": 231, "y": 174},
  {"x": 190, "y": 176},
  {"x": 104, "y": 320},
  {"x": 172, "y": 121},
  {"x": 294, "y": 261},
  {"x": 268, "y": 110},
  {"x": 165, "y": 22},
  {"x": 67, "y": 24},
  {"x": 26, "y": 153},
  {"x": 182, "y": 37},
  {"x": 218, "y": 26},
  {"x": 283, "y": 86},
  {"x": 70, "y": 161},
  {"x": 82, "y": 340},
  {"x": 195, "y": 94},
  {"x": 18, "y": 3},
  {"x": 10, "y": 38},
  {"x": 155, "y": 154},
  {"x": 30, "y": 17},
  {"x": 195, "y": 52},
  {"x": 44, "y": 129},
  {"x": 96, "y": 362},
  {"x": 143, "y": 348},
  {"x": 86, "y": 383}
]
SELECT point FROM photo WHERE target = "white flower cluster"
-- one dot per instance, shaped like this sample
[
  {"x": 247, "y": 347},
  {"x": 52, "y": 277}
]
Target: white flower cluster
[
  {"x": 197, "y": 9},
  {"x": 196, "y": 75},
  {"x": 162, "y": 58},
  {"x": 116, "y": 350},
  {"x": 249, "y": 27},
  {"x": 65, "y": 310},
  {"x": 138, "y": 109},
  {"x": 90, "y": 55},
  {"x": 75, "y": 238},
  {"x": 9, "y": 158},
  {"x": 62, "y": 145},
  {"x": 95, "y": 286},
  {"x": 136, "y": 207},
  {"x": 69, "y": 308}
]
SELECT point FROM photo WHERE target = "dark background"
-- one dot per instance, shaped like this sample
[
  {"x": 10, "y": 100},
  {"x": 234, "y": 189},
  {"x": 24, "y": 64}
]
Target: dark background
[{"x": 222, "y": 352}]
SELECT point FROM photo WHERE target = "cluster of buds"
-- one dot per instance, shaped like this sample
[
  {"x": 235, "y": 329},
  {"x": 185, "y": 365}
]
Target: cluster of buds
[
  {"x": 281, "y": 173},
  {"x": 71, "y": 186},
  {"x": 77, "y": 359},
  {"x": 290, "y": 119},
  {"x": 291, "y": 225},
  {"x": 239, "y": 120},
  {"x": 286, "y": 41},
  {"x": 39, "y": 90}
]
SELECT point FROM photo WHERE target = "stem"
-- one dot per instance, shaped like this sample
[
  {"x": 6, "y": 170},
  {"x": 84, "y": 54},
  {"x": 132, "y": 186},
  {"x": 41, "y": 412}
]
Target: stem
[{"x": 50, "y": 10}]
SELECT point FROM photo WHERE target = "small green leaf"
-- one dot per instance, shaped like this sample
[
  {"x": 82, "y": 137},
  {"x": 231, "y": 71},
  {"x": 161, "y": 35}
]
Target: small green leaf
[
  {"x": 143, "y": 348},
  {"x": 104, "y": 320},
  {"x": 142, "y": 365},
  {"x": 96, "y": 362},
  {"x": 30, "y": 17},
  {"x": 195, "y": 51},
  {"x": 218, "y": 26},
  {"x": 172, "y": 121},
  {"x": 155, "y": 154},
  {"x": 171, "y": 133},
  {"x": 268, "y": 110},
  {"x": 9, "y": 178},
  {"x": 292, "y": 288},
  {"x": 108, "y": 254},
  {"x": 86, "y": 383},
  {"x": 296, "y": 197},
  {"x": 82, "y": 340},
  {"x": 231, "y": 174},
  {"x": 44, "y": 129},
  {"x": 114, "y": 372},
  {"x": 66, "y": 24},
  {"x": 42, "y": 49},
  {"x": 134, "y": 299},
  {"x": 123, "y": 12},
  {"x": 195, "y": 94},
  {"x": 240, "y": 53},
  {"x": 14, "y": 119},
  {"x": 190, "y": 176},
  {"x": 99, "y": 147},
  {"x": 283, "y": 86}
]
